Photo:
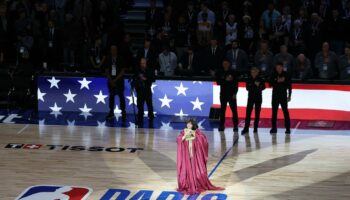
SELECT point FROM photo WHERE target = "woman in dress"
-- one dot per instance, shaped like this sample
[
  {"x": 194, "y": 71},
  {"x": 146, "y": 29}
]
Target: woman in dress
[{"x": 192, "y": 157}]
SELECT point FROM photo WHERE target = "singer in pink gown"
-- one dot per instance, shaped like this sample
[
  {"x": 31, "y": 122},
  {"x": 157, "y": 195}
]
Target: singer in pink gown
[{"x": 192, "y": 157}]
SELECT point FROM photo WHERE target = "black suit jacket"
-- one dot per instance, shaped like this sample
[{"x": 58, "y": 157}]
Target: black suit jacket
[
  {"x": 151, "y": 57},
  {"x": 195, "y": 62},
  {"x": 213, "y": 62}
]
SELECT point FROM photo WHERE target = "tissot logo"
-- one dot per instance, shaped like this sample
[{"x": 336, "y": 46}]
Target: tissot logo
[{"x": 71, "y": 148}]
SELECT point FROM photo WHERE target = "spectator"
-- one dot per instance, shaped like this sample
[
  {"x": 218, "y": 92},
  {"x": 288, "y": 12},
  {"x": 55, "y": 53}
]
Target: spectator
[
  {"x": 297, "y": 38},
  {"x": 238, "y": 59},
  {"x": 188, "y": 64},
  {"x": 247, "y": 35},
  {"x": 69, "y": 38},
  {"x": 314, "y": 36},
  {"x": 127, "y": 53},
  {"x": 53, "y": 46},
  {"x": 303, "y": 69},
  {"x": 97, "y": 55},
  {"x": 279, "y": 34},
  {"x": 286, "y": 59},
  {"x": 326, "y": 62},
  {"x": 221, "y": 20},
  {"x": 287, "y": 18},
  {"x": 204, "y": 31},
  {"x": 264, "y": 58},
  {"x": 231, "y": 30},
  {"x": 153, "y": 14},
  {"x": 181, "y": 36},
  {"x": 269, "y": 17},
  {"x": 148, "y": 52},
  {"x": 191, "y": 15},
  {"x": 167, "y": 62},
  {"x": 167, "y": 27},
  {"x": 335, "y": 32},
  {"x": 344, "y": 64},
  {"x": 212, "y": 58},
  {"x": 210, "y": 14}
]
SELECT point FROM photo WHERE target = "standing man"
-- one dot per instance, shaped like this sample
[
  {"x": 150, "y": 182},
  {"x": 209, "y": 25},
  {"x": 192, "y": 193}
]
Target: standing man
[
  {"x": 227, "y": 79},
  {"x": 114, "y": 69},
  {"x": 254, "y": 85},
  {"x": 144, "y": 77},
  {"x": 281, "y": 95},
  {"x": 238, "y": 58}
]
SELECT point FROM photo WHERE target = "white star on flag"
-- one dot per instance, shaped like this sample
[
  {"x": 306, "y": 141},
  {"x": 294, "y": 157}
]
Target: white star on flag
[
  {"x": 70, "y": 96},
  {"x": 200, "y": 124},
  {"x": 181, "y": 114},
  {"x": 131, "y": 100},
  {"x": 145, "y": 113},
  {"x": 41, "y": 122},
  {"x": 101, "y": 124},
  {"x": 41, "y": 95},
  {"x": 100, "y": 97},
  {"x": 71, "y": 123},
  {"x": 166, "y": 126},
  {"x": 152, "y": 87},
  {"x": 56, "y": 113},
  {"x": 55, "y": 108},
  {"x": 54, "y": 82},
  {"x": 85, "y": 109},
  {"x": 117, "y": 110},
  {"x": 132, "y": 125},
  {"x": 84, "y": 83},
  {"x": 165, "y": 101},
  {"x": 199, "y": 82},
  {"x": 197, "y": 104},
  {"x": 181, "y": 89}
]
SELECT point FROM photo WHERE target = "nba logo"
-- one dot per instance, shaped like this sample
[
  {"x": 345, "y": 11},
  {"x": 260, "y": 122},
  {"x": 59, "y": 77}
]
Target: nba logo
[{"x": 48, "y": 192}]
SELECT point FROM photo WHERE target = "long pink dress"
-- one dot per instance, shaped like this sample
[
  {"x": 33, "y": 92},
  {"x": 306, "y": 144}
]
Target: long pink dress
[{"x": 192, "y": 174}]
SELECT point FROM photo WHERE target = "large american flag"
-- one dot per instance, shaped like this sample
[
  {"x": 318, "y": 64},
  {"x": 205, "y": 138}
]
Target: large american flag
[{"x": 90, "y": 94}]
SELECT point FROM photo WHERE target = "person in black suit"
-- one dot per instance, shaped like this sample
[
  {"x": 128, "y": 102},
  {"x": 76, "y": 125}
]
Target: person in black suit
[
  {"x": 153, "y": 15},
  {"x": 213, "y": 58},
  {"x": 228, "y": 81},
  {"x": 114, "y": 69},
  {"x": 52, "y": 38},
  {"x": 148, "y": 52},
  {"x": 254, "y": 85},
  {"x": 281, "y": 85},
  {"x": 238, "y": 58},
  {"x": 144, "y": 77},
  {"x": 188, "y": 64}
]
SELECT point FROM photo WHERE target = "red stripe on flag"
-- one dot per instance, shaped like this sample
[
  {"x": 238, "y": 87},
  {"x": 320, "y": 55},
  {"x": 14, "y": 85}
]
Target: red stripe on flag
[{"x": 301, "y": 114}]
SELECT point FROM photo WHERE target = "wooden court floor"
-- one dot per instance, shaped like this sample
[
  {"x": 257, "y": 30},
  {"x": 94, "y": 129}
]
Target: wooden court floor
[{"x": 256, "y": 167}]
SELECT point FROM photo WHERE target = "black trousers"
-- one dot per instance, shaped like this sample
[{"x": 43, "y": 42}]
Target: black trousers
[
  {"x": 284, "y": 104},
  {"x": 251, "y": 103},
  {"x": 144, "y": 95},
  {"x": 233, "y": 105},
  {"x": 117, "y": 90}
]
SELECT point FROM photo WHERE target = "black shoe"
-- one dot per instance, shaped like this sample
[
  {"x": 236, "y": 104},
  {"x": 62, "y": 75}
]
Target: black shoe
[
  {"x": 287, "y": 131},
  {"x": 110, "y": 116},
  {"x": 221, "y": 128},
  {"x": 245, "y": 131},
  {"x": 273, "y": 131}
]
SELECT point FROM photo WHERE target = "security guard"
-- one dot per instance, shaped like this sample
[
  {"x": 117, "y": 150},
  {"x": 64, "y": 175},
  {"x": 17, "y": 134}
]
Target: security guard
[
  {"x": 281, "y": 85},
  {"x": 114, "y": 69},
  {"x": 144, "y": 77},
  {"x": 254, "y": 85},
  {"x": 228, "y": 81}
]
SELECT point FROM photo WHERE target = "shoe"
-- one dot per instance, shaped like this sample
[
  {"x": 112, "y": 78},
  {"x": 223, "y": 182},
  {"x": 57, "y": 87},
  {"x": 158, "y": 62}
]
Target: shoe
[
  {"x": 110, "y": 116},
  {"x": 245, "y": 131},
  {"x": 273, "y": 131},
  {"x": 221, "y": 128},
  {"x": 287, "y": 131}
]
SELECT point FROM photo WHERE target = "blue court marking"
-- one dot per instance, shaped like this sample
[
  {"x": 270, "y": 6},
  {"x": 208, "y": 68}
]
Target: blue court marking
[{"x": 222, "y": 158}]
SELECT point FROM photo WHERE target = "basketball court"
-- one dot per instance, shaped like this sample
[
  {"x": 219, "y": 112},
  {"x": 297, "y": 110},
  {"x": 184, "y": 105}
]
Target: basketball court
[{"x": 112, "y": 162}]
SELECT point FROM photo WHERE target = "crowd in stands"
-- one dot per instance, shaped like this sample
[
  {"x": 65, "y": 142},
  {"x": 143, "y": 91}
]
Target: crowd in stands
[{"x": 185, "y": 38}]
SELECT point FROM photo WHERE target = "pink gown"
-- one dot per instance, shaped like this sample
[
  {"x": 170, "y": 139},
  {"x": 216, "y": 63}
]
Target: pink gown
[{"x": 192, "y": 174}]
